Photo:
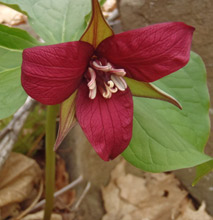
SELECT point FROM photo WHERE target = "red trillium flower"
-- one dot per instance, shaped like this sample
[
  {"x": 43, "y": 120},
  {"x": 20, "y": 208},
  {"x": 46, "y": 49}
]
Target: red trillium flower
[{"x": 94, "y": 78}]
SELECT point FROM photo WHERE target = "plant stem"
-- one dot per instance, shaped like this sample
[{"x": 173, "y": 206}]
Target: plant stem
[{"x": 50, "y": 159}]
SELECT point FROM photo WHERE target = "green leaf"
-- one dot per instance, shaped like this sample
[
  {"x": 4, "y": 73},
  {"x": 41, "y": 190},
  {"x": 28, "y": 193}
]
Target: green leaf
[
  {"x": 12, "y": 96},
  {"x": 203, "y": 170},
  {"x": 55, "y": 21},
  {"x": 102, "y": 2},
  {"x": 15, "y": 7},
  {"x": 15, "y": 38},
  {"x": 164, "y": 137},
  {"x": 189, "y": 86},
  {"x": 12, "y": 42}
]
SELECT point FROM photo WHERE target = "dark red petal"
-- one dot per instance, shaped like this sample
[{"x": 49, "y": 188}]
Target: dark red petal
[
  {"x": 107, "y": 123},
  {"x": 149, "y": 53},
  {"x": 50, "y": 74}
]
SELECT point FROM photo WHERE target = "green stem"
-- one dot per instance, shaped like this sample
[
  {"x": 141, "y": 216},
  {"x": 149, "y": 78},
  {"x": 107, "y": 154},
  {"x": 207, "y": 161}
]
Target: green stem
[{"x": 50, "y": 159}]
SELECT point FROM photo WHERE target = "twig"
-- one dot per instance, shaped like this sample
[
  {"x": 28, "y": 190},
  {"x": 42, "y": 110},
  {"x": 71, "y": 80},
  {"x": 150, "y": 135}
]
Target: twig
[
  {"x": 86, "y": 190},
  {"x": 59, "y": 192},
  {"x": 9, "y": 134}
]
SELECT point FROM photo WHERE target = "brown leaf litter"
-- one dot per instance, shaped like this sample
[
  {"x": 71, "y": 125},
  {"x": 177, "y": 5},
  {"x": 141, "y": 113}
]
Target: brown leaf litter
[
  {"x": 19, "y": 181},
  {"x": 21, "y": 186},
  {"x": 152, "y": 197},
  {"x": 39, "y": 216}
]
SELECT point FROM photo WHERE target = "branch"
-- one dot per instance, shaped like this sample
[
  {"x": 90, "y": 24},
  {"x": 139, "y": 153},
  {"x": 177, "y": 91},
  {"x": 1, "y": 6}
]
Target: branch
[
  {"x": 86, "y": 190},
  {"x": 59, "y": 192},
  {"x": 9, "y": 134}
]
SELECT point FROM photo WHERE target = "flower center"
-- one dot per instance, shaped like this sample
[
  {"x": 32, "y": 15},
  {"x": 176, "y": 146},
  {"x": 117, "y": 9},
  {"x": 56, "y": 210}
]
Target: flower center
[{"x": 102, "y": 76}]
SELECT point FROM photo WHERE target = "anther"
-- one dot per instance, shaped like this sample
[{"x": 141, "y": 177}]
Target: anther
[
  {"x": 92, "y": 74},
  {"x": 100, "y": 67},
  {"x": 92, "y": 83},
  {"x": 92, "y": 93},
  {"x": 120, "y": 83},
  {"x": 118, "y": 72}
]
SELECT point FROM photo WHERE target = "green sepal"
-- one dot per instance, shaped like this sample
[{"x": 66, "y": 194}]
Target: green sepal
[
  {"x": 148, "y": 90},
  {"x": 98, "y": 29},
  {"x": 67, "y": 118}
]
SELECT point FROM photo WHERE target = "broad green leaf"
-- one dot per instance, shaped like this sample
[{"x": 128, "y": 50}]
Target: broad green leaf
[
  {"x": 12, "y": 42},
  {"x": 203, "y": 170},
  {"x": 170, "y": 138},
  {"x": 12, "y": 96},
  {"x": 15, "y": 7},
  {"x": 189, "y": 86},
  {"x": 102, "y": 2},
  {"x": 55, "y": 21},
  {"x": 15, "y": 38}
]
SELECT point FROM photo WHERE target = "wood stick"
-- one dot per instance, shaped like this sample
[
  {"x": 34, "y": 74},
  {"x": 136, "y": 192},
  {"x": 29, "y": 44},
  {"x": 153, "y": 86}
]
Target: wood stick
[
  {"x": 59, "y": 192},
  {"x": 9, "y": 134}
]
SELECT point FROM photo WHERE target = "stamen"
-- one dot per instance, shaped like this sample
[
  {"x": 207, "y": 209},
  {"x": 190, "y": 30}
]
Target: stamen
[
  {"x": 92, "y": 93},
  {"x": 108, "y": 68},
  {"x": 124, "y": 82},
  {"x": 100, "y": 67},
  {"x": 92, "y": 84},
  {"x": 111, "y": 84},
  {"x": 118, "y": 72},
  {"x": 113, "y": 90},
  {"x": 119, "y": 82}
]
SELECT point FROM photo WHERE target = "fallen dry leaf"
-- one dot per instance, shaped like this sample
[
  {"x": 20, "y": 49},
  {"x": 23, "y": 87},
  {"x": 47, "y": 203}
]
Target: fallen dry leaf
[
  {"x": 114, "y": 205},
  {"x": 18, "y": 179},
  {"x": 153, "y": 197},
  {"x": 39, "y": 216},
  {"x": 188, "y": 213},
  {"x": 11, "y": 17},
  {"x": 11, "y": 210}
]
